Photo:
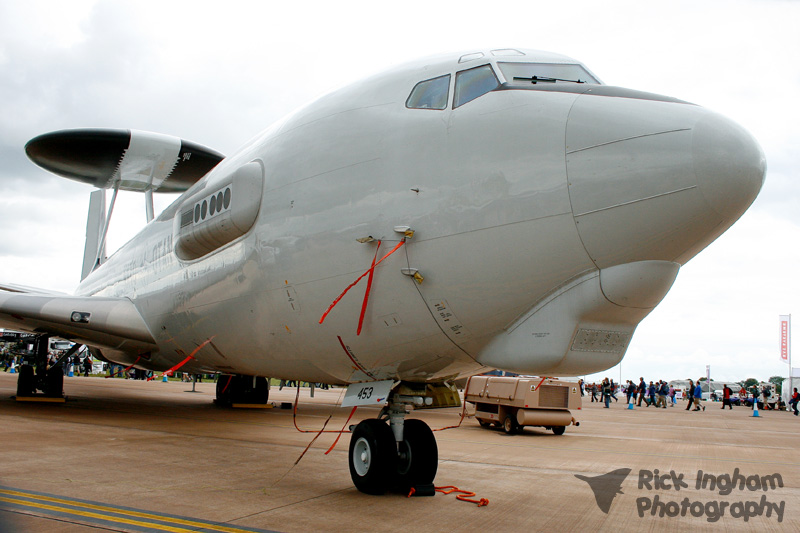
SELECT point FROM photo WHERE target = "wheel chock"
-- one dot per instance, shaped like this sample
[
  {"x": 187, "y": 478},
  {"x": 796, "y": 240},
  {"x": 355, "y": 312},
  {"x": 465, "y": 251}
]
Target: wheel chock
[
  {"x": 426, "y": 489},
  {"x": 252, "y": 405}
]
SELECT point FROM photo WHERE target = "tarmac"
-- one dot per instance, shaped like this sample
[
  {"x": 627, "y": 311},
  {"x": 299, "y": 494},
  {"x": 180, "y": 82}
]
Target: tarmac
[{"x": 125, "y": 455}]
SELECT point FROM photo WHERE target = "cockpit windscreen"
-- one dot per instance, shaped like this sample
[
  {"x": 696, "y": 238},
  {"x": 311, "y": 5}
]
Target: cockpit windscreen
[{"x": 527, "y": 73}]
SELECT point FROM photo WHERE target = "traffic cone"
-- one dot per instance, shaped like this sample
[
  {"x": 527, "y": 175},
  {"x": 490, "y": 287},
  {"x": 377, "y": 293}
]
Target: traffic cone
[
  {"x": 11, "y": 369},
  {"x": 630, "y": 402},
  {"x": 755, "y": 407},
  {"x": 164, "y": 378},
  {"x": 71, "y": 371}
]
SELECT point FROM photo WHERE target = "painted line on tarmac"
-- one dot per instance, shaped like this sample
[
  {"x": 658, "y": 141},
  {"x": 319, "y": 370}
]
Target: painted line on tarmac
[{"x": 95, "y": 513}]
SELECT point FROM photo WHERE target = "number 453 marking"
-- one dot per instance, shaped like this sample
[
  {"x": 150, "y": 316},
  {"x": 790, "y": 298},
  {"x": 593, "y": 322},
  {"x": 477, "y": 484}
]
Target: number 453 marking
[
  {"x": 365, "y": 393},
  {"x": 370, "y": 393}
]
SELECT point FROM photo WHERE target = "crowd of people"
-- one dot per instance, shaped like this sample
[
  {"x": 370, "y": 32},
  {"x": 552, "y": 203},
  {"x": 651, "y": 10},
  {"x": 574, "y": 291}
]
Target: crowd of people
[
  {"x": 661, "y": 394},
  {"x": 79, "y": 365},
  {"x": 658, "y": 394},
  {"x": 653, "y": 394}
]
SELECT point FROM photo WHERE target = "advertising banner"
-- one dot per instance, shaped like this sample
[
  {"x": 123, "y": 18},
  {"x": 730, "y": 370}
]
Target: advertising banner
[{"x": 786, "y": 340}]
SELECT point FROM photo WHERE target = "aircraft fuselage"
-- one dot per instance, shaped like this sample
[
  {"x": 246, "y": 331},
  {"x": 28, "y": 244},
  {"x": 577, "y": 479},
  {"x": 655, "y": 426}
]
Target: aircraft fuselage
[{"x": 549, "y": 219}]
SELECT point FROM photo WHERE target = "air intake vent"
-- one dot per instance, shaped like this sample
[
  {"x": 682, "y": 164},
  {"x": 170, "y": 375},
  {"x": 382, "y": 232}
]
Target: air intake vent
[
  {"x": 552, "y": 396},
  {"x": 220, "y": 213},
  {"x": 186, "y": 218}
]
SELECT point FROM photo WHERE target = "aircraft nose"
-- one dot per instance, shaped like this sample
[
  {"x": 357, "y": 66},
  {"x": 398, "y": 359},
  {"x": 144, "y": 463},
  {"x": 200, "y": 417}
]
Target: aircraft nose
[
  {"x": 656, "y": 179},
  {"x": 729, "y": 165}
]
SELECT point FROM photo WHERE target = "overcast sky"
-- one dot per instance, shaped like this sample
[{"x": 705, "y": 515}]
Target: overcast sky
[{"x": 217, "y": 73}]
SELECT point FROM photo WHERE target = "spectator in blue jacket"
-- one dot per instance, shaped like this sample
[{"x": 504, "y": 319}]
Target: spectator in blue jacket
[
  {"x": 651, "y": 395},
  {"x": 630, "y": 391},
  {"x": 642, "y": 390},
  {"x": 698, "y": 395},
  {"x": 663, "y": 391}
]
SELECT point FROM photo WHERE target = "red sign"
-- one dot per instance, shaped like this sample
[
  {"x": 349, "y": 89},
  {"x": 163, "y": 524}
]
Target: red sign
[{"x": 784, "y": 319}]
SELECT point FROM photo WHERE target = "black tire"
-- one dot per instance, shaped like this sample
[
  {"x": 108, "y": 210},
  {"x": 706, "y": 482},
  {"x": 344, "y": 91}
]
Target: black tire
[
  {"x": 510, "y": 425},
  {"x": 484, "y": 423},
  {"x": 262, "y": 390},
  {"x": 418, "y": 457},
  {"x": 224, "y": 389},
  {"x": 238, "y": 388},
  {"x": 54, "y": 385},
  {"x": 257, "y": 392},
  {"x": 242, "y": 389},
  {"x": 373, "y": 456},
  {"x": 26, "y": 382},
  {"x": 559, "y": 430}
]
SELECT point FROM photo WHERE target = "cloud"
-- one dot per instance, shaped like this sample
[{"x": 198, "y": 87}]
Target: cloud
[{"x": 218, "y": 74}]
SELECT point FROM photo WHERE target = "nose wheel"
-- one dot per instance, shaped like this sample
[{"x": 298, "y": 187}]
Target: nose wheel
[
  {"x": 373, "y": 456},
  {"x": 418, "y": 455},
  {"x": 378, "y": 462}
]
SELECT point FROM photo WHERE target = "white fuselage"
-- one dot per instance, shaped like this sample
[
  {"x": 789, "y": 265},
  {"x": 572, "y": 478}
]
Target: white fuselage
[{"x": 518, "y": 200}]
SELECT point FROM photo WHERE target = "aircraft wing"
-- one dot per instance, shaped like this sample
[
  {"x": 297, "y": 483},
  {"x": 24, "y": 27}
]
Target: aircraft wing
[
  {"x": 13, "y": 287},
  {"x": 112, "y": 323}
]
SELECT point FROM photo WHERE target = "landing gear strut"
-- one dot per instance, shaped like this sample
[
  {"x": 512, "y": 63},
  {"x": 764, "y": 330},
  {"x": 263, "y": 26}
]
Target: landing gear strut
[
  {"x": 238, "y": 389},
  {"x": 399, "y": 455},
  {"x": 37, "y": 376}
]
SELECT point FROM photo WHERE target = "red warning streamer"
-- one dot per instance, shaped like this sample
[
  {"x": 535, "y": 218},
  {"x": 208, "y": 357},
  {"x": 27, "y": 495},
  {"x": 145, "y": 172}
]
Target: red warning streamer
[
  {"x": 323, "y": 430},
  {"x": 465, "y": 495},
  {"x": 188, "y": 358},
  {"x": 342, "y": 431},
  {"x": 230, "y": 378},
  {"x": 353, "y": 359},
  {"x": 366, "y": 293},
  {"x": 463, "y": 410},
  {"x": 124, "y": 369},
  {"x": 372, "y": 268}
]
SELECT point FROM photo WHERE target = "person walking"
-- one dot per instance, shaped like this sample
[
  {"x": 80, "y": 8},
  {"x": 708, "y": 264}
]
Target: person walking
[
  {"x": 659, "y": 396},
  {"x": 663, "y": 392},
  {"x": 793, "y": 401},
  {"x": 690, "y": 395},
  {"x": 766, "y": 393},
  {"x": 630, "y": 391},
  {"x": 698, "y": 395},
  {"x": 606, "y": 392},
  {"x": 642, "y": 390},
  {"x": 651, "y": 395},
  {"x": 726, "y": 397}
]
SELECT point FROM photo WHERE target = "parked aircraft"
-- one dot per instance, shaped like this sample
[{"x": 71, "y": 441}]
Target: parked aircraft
[{"x": 500, "y": 209}]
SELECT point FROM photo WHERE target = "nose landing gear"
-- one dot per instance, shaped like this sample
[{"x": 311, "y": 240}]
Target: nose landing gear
[
  {"x": 397, "y": 456},
  {"x": 242, "y": 390}
]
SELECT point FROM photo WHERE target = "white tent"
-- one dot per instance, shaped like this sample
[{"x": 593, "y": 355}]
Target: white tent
[{"x": 786, "y": 391}]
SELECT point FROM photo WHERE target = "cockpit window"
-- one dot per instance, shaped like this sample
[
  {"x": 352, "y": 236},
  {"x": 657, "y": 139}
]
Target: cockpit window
[
  {"x": 430, "y": 94},
  {"x": 472, "y": 83},
  {"x": 527, "y": 73}
]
